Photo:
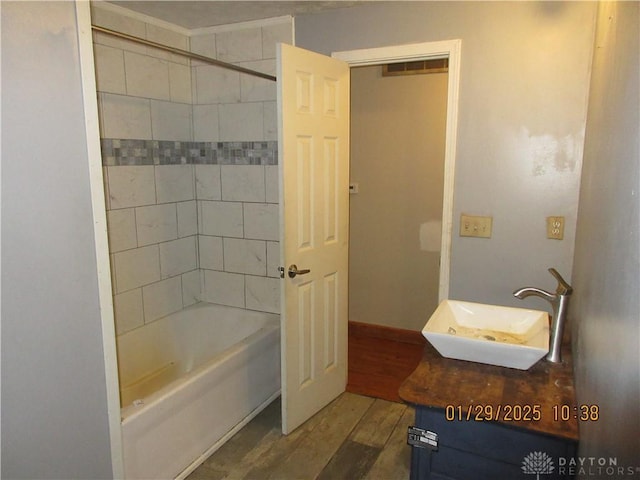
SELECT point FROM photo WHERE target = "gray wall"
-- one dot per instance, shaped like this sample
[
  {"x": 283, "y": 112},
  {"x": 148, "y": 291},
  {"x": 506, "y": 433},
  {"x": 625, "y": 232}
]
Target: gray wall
[
  {"x": 606, "y": 308},
  {"x": 523, "y": 90},
  {"x": 397, "y": 157},
  {"x": 54, "y": 405}
]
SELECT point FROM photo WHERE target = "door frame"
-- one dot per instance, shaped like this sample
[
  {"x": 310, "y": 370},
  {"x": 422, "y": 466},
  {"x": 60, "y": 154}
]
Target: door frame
[
  {"x": 96, "y": 185},
  {"x": 450, "y": 49}
]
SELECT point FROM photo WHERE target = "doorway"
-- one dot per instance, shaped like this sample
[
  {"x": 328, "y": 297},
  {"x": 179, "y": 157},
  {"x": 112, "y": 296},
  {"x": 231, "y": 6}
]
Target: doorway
[
  {"x": 409, "y": 342},
  {"x": 448, "y": 49},
  {"x": 398, "y": 125}
]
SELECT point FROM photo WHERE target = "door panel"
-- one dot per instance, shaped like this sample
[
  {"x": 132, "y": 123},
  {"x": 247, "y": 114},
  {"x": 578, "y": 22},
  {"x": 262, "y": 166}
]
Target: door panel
[{"x": 313, "y": 115}]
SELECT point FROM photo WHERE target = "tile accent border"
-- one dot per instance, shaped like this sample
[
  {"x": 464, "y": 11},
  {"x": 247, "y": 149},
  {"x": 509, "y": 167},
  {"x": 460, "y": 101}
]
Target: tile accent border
[{"x": 117, "y": 152}]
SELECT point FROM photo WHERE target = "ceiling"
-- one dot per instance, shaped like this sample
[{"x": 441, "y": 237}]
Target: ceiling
[{"x": 207, "y": 13}]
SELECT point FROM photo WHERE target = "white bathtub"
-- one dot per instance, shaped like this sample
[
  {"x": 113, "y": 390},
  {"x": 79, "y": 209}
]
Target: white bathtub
[{"x": 189, "y": 381}]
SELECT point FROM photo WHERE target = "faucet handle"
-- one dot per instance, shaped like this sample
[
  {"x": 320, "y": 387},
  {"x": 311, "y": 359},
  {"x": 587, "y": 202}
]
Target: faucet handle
[{"x": 563, "y": 287}]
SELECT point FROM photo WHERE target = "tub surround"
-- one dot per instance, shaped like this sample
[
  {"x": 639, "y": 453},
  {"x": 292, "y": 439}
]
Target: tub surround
[
  {"x": 145, "y": 93},
  {"x": 189, "y": 155},
  {"x": 182, "y": 233},
  {"x": 191, "y": 182}
]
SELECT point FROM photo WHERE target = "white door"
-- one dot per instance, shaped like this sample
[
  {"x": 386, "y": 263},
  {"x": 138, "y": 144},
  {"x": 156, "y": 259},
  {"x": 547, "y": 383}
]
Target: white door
[{"x": 313, "y": 145}]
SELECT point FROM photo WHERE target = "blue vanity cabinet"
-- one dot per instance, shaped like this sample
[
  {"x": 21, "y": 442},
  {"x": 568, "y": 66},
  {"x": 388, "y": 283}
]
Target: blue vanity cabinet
[
  {"x": 491, "y": 423},
  {"x": 476, "y": 450}
]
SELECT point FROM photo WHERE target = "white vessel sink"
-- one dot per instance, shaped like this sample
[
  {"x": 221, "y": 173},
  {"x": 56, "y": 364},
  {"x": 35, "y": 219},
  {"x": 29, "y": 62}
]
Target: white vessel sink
[{"x": 504, "y": 336}]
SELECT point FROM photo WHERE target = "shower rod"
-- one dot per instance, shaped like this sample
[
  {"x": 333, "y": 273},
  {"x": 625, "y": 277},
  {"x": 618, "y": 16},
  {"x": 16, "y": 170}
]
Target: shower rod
[{"x": 177, "y": 51}]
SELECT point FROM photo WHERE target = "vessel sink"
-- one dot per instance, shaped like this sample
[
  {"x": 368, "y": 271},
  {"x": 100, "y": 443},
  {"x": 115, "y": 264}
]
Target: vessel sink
[{"x": 492, "y": 334}]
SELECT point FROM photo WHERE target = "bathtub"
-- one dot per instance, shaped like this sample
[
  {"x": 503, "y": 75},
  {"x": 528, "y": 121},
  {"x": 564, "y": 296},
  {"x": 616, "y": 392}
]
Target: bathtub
[{"x": 189, "y": 381}]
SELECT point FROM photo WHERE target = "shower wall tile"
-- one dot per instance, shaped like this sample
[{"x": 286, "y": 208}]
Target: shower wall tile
[
  {"x": 180, "y": 83},
  {"x": 125, "y": 117},
  {"x": 161, "y": 116},
  {"x": 121, "y": 228},
  {"x": 135, "y": 152},
  {"x": 178, "y": 257},
  {"x": 147, "y": 76},
  {"x": 162, "y": 298},
  {"x": 171, "y": 120},
  {"x": 137, "y": 267},
  {"x": 216, "y": 85},
  {"x": 139, "y": 74},
  {"x": 191, "y": 285},
  {"x": 128, "y": 310},
  {"x": 243, "y": 183},
  {"x": 248, "y": 254},
  {"x": 131, "y": 186},
  {"x": 120, "y": 23},
  {"x": 273, "y": 259},
  {"x": 273, "y": 34},
  {"x": 211, "y": 252},
  {"x": 205, "y": 123},
  {"x": 223, "y": 288},
  {"x": 222, "y": 219},
  {"x": 170, "y": 152},
  {"x": 239, "y": 121},
  {"x": 187, "y": 218},
  {"x": 156, "y": 223},
  {"x": 256, "y": 89},
  {"x": 203, "y": 45},
  {"x": 245, "y": 256},
  {"x": 239, "y": 45},
  {"x": 247, "y": 153},
  {"x": 168, "y": 37},
  {"x": 100, "y": 38},
  {"x": 126, "y": 152},
  {"x": 174, "y": 183},
  {"x": 261, "y": 221},
  {"x": 272, "y": 180},
  {"x": 208, "y": 182},
  {"x": 270, "y": 121},
  {"x": 247, "y": 107},
  {"x": 262, "y": 293},
  {"x": 109, "y": 69}
]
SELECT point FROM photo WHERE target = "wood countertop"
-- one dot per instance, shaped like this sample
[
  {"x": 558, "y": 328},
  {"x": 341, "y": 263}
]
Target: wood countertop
[{"x": 530, "y": 399}]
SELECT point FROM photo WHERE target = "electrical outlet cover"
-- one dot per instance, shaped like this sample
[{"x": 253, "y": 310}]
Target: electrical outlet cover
[{"x": 555, "y": 228}]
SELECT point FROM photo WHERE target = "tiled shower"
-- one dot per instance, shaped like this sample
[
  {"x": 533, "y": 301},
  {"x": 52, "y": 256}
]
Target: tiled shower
[{"x": 190, "y": 166}]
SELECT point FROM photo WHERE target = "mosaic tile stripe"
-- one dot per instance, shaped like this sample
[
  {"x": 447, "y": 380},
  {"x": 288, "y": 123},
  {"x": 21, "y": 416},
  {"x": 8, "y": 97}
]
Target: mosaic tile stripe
[{"x": 162, "y": 152}]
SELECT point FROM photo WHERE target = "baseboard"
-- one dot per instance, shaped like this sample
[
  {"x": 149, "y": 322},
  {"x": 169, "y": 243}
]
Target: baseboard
[{"x": 387, "y": 333}]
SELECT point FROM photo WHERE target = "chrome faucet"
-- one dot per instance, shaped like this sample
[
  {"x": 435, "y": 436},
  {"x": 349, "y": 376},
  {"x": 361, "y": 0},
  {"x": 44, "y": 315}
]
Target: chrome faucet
[{"x": 560, "y": 303}]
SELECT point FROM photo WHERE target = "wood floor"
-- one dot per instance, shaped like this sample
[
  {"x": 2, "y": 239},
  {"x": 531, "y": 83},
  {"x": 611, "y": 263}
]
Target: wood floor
[
  {"x": 380, "y": 358},
  {"x": 360, "y": 435}
]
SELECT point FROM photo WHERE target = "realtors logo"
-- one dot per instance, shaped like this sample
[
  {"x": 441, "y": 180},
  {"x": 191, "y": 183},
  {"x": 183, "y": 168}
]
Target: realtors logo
[
  {"x": 537, "y": 463},
  {"x": 540, "y": 463}
]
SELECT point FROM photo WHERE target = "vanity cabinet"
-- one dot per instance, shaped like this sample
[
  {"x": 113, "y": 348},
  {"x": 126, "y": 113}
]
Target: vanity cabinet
[{"x": 491, "y": 422}]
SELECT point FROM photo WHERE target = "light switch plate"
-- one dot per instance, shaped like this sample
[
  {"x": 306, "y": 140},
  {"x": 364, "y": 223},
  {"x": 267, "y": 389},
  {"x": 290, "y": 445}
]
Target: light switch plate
[{"x": 475, "y": 226}]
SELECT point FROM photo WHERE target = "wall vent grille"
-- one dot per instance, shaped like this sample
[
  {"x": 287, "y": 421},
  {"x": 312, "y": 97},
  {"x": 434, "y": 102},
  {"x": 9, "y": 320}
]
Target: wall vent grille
[{"x": 419, "y": 67}]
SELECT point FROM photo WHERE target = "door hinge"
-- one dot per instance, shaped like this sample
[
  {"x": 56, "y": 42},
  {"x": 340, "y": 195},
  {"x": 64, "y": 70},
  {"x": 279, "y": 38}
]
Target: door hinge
[{"x": 421, "y": 438}]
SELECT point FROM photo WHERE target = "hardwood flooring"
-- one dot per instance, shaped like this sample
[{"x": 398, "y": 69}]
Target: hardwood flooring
[
  {"x": 381, "y": 358},
  {"x": 360, "y": 435}
]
